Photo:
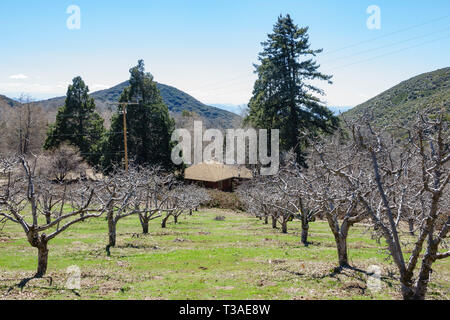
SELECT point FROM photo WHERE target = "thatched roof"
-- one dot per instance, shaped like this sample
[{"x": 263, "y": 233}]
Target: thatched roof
[{"x": 214, "y": 171}]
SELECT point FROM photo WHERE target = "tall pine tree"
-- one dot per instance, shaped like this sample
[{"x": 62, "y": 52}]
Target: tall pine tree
[
  {"x": 149, "y": 125},
  {"x": 283, "y": 98},
  {"x": 78, "y": 123}
]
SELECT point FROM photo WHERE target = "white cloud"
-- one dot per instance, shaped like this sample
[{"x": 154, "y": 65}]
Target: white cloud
[{"x": 19, "y": 76}]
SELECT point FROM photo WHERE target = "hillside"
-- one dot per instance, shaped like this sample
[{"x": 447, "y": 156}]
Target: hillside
[
  {"x": 400, "y": 103},
  {"x": 176, "y": 100},
  {"x": 7, "y": 102}
]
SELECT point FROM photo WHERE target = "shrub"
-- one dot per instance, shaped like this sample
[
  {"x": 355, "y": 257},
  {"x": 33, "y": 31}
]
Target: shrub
[{"x": 223, "y": 200}]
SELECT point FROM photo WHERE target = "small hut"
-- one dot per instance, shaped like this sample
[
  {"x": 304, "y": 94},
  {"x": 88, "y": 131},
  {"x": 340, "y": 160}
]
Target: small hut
[{"x": 216, "y": 175}]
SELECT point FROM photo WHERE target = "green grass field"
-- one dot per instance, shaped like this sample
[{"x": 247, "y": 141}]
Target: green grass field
[{"x": 201, "y": 258}]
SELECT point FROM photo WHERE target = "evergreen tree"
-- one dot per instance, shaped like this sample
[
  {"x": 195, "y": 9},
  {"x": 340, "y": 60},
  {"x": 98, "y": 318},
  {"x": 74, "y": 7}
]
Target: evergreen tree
[
  {"x": 78, "y": 124},
  {"x": 149, "y": 125},
  {"x": 282, "y": 97}
]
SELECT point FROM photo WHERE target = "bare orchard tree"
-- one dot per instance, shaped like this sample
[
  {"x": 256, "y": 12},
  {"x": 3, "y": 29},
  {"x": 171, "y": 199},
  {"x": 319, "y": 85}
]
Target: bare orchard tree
[
  {"x": 253, "y": 195},
  {"x": 179, "y": 205},
  {"x": 120, "y": 194},
  {"x": 7, "y": 167},
  {"x": 154, "y": 195},
  {"x": 272, "y": 199},
  {"x": 397, "y": 176},
  {"x": 182, "y": 199},
  {"x": 261, "y": 197},
  {"x": 331, "y": 196},
  {"x": 175, "y": 205},
  {"x": 198, "y": 197},
  {"x": 290, "y": 182},
  {"x": 20, "y": 204},
  {"x": 49, "y": 197},
  {"x": 282, "y": 196},
  {"x": 193, "y": 197}
]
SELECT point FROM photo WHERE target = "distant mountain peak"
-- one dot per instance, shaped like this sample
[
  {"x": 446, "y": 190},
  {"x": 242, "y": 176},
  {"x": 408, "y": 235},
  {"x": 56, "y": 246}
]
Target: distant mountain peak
[{"x": 175, "y": 99}]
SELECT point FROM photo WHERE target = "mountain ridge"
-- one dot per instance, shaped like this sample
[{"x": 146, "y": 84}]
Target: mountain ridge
[
  {"x": 176, "y": 100},
  {"x": 401, "y": 102},
  {"x": 7, "y": 102}
]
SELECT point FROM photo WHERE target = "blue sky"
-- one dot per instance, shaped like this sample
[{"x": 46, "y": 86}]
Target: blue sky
[{"x": 207, "y": 47}]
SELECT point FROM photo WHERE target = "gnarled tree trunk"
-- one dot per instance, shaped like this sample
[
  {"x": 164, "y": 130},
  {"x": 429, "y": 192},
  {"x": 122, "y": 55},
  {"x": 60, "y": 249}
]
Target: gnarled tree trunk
[
  {"x": 411, "y": 226},
  {"x": 274, "y": 222},
  {"x": 164, "y": 221},
  {"x": 425, "y": 271},
  {"x": 340, "y": 237},
  {"x": 284, "y": 226},
  {"x": 305, "y": 224},
  {"x": 111, "y": 230},
  {"x": 341, "y": 244},
  {"x": 144, "y": 226},
  {"x": 305, "y": 229},
  {"x": 144, "y": 219},
  {"x": 407, "y": 289},
  {"x": 40, "y": 243},
  {"x": 42, "y": 259}
]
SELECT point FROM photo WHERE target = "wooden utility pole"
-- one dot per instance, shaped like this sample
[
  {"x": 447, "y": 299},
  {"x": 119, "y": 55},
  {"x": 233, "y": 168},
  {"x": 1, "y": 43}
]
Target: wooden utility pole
[{"x": 125, "y": 139}]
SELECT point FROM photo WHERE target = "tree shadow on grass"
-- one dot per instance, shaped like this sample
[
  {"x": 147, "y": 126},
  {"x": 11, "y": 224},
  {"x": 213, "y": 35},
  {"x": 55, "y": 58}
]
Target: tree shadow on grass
[
  {"x": 354, "y": 273},
  {"x": 137, "y": 246},
  {"x": 351, "y": 272},
  {"x": 22, "y": 284}
]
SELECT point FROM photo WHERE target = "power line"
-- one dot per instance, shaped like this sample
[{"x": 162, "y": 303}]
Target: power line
[
  {"x": 237, "y": 80},
  {"x": 102, "y": 153},
  {"x": 391, "y": 53},
  {"x": 241, "y": 81},
  {"x": 385, "y": 46},
  {"x": 82, "y": 134},
  {"x": 386, "y": 35},
  {"x": 234, "y": 81},
  {"x": 365, "y": 51},
  {"x": 73, "y": 115},
  {"x": 219, "y": 83}
]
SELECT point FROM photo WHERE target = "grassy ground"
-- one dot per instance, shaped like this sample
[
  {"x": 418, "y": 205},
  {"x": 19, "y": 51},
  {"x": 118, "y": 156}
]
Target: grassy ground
[{"x": 201, "y": 258}]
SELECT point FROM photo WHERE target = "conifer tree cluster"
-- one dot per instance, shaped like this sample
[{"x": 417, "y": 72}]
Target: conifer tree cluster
[
  {"x": 78, "y": 124},
  {"x": 149, "y": 125}
]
